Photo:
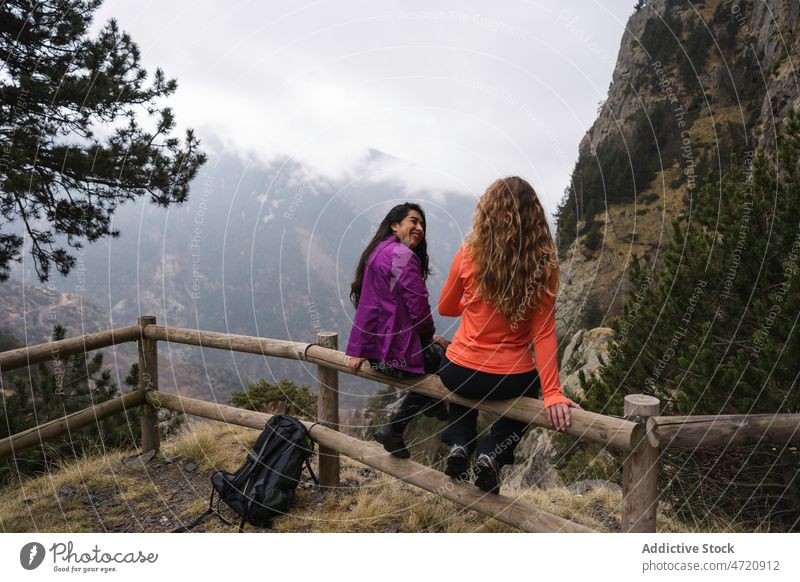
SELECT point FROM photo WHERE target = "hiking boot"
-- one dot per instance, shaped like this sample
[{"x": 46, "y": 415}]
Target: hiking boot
[
  {"x": 457, "y": 463},
  {"x": 486, "y": 474},
  {"x": 437, "y": 411},
  {"x": 391, "y": 442}
]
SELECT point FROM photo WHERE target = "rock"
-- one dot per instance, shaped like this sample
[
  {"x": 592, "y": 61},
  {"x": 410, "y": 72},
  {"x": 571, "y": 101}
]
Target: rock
[
  {"x": 346, "y": 487},
  {"x": 100, "y": 500},
  {"x": 139, "y": 459},
  {"x": 190, "y": 467},
  {"x": 66, "y": 491},
  {"x": 584, "y": 487},
  {"x": 533, "y": 467},
  {"x": 317, "y": 497},
  {"x": 584, "y": 353},
  {"x": 367, "y": 473},
  {"x": 569, "y": 351},
  {"x": 601, "y": 514}
]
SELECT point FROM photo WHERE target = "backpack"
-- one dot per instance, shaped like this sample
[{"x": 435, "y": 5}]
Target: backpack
[{"x": 265, "y": 485}]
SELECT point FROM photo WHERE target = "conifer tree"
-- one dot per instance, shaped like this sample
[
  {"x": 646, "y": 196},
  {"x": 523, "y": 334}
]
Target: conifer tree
[
  {"x": 82, "y": 131},
  {"x": 715, "y": 331},
  {"x": 53, "y": 389},
  {"x": 283, "y": 397}
]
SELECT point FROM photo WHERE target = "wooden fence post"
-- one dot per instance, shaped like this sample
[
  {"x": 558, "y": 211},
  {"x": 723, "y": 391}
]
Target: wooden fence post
[
  {"x": 640, "y": 471},
  {"x": 328, "y": 412},
  {"x": 148, "y": 380}
]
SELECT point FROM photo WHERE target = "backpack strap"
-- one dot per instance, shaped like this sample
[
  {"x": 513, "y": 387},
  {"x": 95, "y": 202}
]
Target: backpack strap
[
  {"x": 199, "y": 519},
  {"x": 195, "y": 523},
  {"x": 308, "y": 435},
  {"x": 310, "y": 470}
]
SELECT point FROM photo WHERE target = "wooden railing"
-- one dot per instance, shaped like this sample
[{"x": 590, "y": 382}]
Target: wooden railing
[{"x": 642, "y": 434}]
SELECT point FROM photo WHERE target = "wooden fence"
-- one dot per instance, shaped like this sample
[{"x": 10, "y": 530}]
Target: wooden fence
[{"x": 642, "y": 434}]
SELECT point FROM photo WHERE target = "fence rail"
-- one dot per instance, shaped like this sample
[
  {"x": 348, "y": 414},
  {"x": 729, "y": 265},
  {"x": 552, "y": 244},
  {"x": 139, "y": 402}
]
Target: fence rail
[
  {"x": 38, "y": 435},
  {"x": 641, "y": 438},
  {"x": 29, "y": 355},
  {"x": 502, "y": 508},
  {"x": 602, "y": 429},
  {"x": 689, "y": 432}
]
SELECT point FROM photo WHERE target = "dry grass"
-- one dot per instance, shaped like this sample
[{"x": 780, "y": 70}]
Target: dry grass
[
  {"x": 212, "y": 445},
  {"x": 104, "y": 494},
  {"x": 36, "y": 505}
]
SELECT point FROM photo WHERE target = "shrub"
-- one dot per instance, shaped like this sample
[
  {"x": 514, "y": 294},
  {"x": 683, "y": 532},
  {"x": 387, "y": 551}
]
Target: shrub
[{"x": 285, "y": 397}]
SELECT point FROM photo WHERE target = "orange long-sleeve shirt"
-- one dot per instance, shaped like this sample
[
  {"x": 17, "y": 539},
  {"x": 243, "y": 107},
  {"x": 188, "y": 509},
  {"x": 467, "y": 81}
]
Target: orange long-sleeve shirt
[{"x": 488, "y": 342}]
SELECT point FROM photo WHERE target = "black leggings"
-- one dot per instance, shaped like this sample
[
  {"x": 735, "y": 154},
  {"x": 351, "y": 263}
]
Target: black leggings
[
  {"x": 506, "y": 433},
  {"x": 412, "y": 404}
]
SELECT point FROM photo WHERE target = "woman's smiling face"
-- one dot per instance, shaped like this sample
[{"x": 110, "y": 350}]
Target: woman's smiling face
[{"x": 411, "y": 230}]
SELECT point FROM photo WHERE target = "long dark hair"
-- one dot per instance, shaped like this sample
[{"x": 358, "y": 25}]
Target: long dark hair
[{"x": 396, "y": 214}]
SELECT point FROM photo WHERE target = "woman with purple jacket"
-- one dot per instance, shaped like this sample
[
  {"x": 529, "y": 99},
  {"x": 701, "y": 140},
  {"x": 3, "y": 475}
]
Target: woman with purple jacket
[{"x": 393, "y": 328}]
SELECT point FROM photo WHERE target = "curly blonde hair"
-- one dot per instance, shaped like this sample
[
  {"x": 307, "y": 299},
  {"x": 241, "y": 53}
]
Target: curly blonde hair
[{"x": 515, "y": 257}]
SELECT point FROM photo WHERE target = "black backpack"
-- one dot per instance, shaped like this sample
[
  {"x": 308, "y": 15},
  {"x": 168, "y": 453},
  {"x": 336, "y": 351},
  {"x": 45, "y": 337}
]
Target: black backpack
[{"x": 265, "y": 485}]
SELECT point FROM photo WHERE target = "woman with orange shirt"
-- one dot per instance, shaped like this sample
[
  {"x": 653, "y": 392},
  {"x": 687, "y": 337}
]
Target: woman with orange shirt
[{"x": 502, "y": 282}]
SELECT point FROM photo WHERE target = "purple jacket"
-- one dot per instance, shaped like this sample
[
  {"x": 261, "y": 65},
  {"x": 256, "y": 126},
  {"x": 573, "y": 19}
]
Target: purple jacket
[{"x": 393, "y": 320}]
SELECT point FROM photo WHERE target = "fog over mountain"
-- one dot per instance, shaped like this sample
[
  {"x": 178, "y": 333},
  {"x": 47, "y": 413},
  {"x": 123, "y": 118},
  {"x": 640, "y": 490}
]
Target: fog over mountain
[{"x": 256, "y": 250}]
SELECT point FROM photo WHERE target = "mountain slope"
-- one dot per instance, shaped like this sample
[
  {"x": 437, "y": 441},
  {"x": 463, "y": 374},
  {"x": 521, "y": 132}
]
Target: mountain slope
[{"x": 694, "y": 84}]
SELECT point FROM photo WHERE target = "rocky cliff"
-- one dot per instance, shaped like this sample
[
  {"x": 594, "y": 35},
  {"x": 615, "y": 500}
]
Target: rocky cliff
[{"x": 696, "y": 85}]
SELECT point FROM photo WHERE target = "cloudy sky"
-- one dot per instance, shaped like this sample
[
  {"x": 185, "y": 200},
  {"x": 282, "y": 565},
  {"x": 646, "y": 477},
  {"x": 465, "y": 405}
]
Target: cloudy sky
[{"x": 458, "y": 93}]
